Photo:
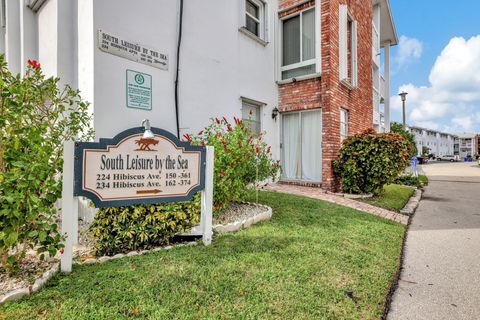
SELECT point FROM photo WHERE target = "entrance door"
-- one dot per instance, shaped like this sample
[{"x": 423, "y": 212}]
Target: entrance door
[{"x": 302, "y": 145}]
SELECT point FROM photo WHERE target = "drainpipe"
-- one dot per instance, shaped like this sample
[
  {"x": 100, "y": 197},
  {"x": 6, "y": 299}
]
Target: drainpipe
[{"x": 179, "y": 43}]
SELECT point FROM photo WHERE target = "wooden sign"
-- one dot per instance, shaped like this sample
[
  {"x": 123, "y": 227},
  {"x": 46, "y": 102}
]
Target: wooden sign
[{"x": 130, "y": 169}]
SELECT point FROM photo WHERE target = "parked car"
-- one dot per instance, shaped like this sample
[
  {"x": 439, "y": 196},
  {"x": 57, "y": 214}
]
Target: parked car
[
  {"x": 448, "y": 158},
  {"x": 422, "y": 160}
]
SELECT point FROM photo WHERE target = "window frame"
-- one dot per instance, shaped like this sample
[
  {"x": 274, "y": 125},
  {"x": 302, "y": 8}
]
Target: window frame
[
  {"x": 256, "y": 104},
  {"x": 344, "y": 42},
  {"x": 262, "y": 21},
  {"x": 310, "y": 62},
  {"x": 344, "y": 125}
]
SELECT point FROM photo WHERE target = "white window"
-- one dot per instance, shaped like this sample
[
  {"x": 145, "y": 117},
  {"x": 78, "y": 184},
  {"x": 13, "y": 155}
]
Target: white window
[
  {"x": 348, "y": 53},
  {"x": 298, "y": 44},
  {"x": 251, "y": 115},
  {"x": 343, "y": 124},
  {"x": 255, "y": 23}
]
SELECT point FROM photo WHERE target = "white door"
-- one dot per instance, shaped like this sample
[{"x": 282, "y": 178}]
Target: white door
[{"x": 302, "y": 145}]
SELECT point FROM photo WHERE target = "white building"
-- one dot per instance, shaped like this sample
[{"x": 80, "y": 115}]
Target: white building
[
  {"x": 466, "y": 144},
  {"x": 437, "y": 143},
  {"x": 235, "y": 56}
]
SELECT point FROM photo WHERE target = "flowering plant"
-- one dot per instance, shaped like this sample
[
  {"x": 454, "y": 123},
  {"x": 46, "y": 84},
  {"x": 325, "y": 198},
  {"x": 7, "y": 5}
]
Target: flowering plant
[
  {"x": 241, "y": 159},
  {"x": 36, "y": 117}
]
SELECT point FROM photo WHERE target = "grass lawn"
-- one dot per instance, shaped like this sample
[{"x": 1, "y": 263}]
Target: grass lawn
[
  {"x": 394, "y": 197},
  {"x": 296, "y": 266}
]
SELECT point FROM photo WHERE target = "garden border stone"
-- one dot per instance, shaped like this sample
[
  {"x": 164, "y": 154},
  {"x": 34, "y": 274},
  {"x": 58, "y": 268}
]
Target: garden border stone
[
  {"x": 245, "y": 223},
  {"x": 19, "y": 293},
  {"x": 413, "y": 203},
  {"x": 351, "y": 196}
]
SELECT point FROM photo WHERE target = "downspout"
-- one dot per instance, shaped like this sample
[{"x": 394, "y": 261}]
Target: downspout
[{"x": 180, "y": 25}]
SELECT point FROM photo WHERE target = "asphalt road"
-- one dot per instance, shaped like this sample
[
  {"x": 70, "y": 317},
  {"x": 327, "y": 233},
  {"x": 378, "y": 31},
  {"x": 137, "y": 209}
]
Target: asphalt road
[{"x": 441, "y": 269}]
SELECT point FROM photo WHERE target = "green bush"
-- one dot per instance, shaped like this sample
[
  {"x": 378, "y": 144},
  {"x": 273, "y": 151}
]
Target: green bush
[
  {"x": 124, "y": 229},
  {"x": 36, "y": 117},
  {"x": 398, "y": 128},
  {"x": 241, "y": 159},
  {"x": 410, "y": 180},
  {"x": 369, "y": 160}
]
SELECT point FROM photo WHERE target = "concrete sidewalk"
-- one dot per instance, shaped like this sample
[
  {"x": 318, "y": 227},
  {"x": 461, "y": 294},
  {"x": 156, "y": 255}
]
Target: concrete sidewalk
[{"x": 441, "y": 269}]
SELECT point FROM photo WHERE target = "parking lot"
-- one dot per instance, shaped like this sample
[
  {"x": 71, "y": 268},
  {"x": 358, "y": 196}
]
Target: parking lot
[{"x": 455, "y": 169}]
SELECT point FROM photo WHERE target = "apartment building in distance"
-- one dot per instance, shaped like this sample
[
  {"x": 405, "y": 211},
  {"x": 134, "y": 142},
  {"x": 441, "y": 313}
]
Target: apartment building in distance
[
  {"x": 466, "y": 144},
  {"x": 437, "y": 143},
  {"x": 307, "y": 71}
]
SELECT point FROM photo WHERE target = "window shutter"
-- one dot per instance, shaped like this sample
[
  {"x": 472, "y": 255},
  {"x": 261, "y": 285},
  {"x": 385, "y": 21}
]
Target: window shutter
[
  {"x": 343, "y": 42},
  {"x": 354, "y": 55}
]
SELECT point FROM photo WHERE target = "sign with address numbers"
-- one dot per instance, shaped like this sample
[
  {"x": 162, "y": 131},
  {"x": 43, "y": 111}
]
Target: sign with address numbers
[{"x": 130, "y": 169}]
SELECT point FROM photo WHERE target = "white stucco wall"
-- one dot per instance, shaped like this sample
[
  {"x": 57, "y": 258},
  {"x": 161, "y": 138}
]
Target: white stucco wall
[
  {"x": 47, "y": 37},
  {"x": 218, "y": 65}
]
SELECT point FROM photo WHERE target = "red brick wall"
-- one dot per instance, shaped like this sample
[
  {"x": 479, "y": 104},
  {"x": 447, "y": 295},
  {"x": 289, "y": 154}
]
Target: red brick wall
[{"x": 327, "y": 92}]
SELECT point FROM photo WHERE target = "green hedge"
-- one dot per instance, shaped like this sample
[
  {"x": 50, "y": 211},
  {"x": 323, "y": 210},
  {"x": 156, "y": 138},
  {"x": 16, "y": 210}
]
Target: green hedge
[
  {"x": 370, "y": 160},
  {"x": 123, "y": 229}
]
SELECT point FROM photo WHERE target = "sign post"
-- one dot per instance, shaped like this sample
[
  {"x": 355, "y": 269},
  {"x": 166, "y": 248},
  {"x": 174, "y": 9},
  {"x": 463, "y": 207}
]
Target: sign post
[
  {"x": 69, "y": 207},
  {"x": 207, "y": 200},
  {"x": 414, "y": 162},
  {"x": 138, "y": 166}
]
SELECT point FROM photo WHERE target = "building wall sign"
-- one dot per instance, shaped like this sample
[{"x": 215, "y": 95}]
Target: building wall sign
[
  {"x": 139, "y": 90},
  {"x": 130, "y": 169},
  {"x": 131, "y": 50}
]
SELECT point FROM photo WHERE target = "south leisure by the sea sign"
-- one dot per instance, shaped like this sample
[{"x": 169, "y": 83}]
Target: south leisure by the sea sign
[{"x": 133, "y": 168}]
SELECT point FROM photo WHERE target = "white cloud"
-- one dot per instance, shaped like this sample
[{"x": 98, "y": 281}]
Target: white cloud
[
  {"x": 409, "y": 50},
  {"x": 453, "y": 97}
]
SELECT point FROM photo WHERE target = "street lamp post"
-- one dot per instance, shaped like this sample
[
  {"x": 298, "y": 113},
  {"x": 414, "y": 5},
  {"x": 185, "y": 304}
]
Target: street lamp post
[{"x": 403, "y": 95}]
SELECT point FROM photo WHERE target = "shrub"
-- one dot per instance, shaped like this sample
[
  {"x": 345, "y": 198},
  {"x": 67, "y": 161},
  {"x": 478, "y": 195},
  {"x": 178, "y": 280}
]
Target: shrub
[
  {"x": 241, "y": 159},
  {"x": 411, "y": 180},
  {"x": 36, "y": 117},
  {"x": 124, "y": 229},
  {"x": 369, "y": 160}
]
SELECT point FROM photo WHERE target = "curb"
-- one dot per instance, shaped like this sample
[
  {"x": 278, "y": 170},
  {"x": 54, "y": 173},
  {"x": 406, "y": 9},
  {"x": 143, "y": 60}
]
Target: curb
[{"x": 413, "y": 202}]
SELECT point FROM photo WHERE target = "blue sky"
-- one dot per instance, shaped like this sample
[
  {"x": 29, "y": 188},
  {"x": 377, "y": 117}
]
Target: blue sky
[{"x": 438, "y": 63}]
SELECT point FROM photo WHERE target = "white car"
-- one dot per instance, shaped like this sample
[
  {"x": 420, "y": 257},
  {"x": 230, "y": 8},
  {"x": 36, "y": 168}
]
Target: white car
[{"x": 448, "y": 158}]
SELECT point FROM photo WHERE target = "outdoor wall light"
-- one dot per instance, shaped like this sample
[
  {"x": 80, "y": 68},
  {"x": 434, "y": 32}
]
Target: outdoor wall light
[
  {"x": 148, "y": 134},
  {"x": 275, "y": 113}
]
